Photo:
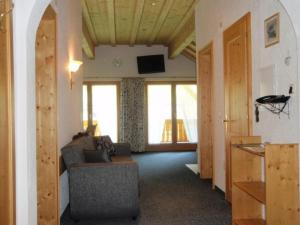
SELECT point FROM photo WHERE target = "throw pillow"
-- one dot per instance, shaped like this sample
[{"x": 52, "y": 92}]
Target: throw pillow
[
  {"x": 79, "y": 135},
  {"x": 105, "y": 143},
  {"x": 92, "y": 156}
]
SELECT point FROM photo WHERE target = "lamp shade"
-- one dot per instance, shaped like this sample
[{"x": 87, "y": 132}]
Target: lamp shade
[{"x": 74, "y": 65}]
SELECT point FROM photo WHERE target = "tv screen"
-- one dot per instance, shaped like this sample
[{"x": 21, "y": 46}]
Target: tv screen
[{"x": 151, "y": 64}]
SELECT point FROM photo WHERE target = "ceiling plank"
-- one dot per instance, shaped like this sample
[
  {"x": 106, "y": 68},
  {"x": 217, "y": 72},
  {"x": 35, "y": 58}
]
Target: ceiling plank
[
  {"x": 87, "y": 43},
  {"x": 173, "y": 20},
  {"x": 88, "y": 21},
  {"x": 139, "y": 8},
  {"x": 183, "y": 39},
  {"x": 124, "y": 16},
  {"x": 111, "y": 21},
  {"x": 187, "y": 17},
  {"x": 160, "y": 20}
]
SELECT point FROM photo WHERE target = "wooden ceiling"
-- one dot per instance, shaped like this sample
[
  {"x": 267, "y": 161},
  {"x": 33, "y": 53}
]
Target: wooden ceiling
[{"x": 139, "y": 22}]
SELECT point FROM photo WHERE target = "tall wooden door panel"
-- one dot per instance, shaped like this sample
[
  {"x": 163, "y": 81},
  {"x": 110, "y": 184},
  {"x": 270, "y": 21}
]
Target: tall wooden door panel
[
  {"x": 6, "y": 120},
  {"x": 46, "y": 109},
  {"x": 237, "y": 62}
]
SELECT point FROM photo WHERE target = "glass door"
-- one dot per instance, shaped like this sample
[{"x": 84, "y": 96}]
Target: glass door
[
  {"x": 159, "y": 114},
  {"x": 172, "y": 113},
  {"x": 100, "y": 107}
]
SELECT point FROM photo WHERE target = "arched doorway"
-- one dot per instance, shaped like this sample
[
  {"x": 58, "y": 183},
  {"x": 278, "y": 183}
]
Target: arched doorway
[{"x": 28, "y": 53}]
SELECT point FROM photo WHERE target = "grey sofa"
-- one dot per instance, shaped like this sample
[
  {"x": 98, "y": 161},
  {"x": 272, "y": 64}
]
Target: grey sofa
[{"x": 101, "y": 190}]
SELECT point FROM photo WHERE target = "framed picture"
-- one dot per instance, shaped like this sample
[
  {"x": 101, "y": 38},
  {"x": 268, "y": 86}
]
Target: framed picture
[{"x": 272, "y": 30}]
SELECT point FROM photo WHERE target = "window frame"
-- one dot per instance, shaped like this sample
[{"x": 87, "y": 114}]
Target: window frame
[
  {"x": 174, "y": 146},
  {"x": 89, "y": 85}
]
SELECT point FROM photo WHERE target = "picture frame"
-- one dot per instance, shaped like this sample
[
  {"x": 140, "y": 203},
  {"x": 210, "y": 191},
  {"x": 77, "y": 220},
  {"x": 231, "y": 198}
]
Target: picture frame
[{"x": 272, "y": 30}]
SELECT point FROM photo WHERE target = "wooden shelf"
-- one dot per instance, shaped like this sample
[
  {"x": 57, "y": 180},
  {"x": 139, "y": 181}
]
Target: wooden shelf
[
  {"x": 250, "y": 222},
  {"x": 255, "y": 189}
]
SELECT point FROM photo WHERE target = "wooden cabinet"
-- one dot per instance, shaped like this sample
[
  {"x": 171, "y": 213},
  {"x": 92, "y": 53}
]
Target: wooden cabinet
[{"x": 265, "y": 183}]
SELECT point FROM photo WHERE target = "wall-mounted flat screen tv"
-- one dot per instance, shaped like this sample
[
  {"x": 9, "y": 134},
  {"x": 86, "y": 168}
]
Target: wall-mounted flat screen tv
[{"x": 151, "y": 64}]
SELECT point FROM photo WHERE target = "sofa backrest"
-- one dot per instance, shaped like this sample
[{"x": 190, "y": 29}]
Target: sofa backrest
[{"x": 72, "y": 153}]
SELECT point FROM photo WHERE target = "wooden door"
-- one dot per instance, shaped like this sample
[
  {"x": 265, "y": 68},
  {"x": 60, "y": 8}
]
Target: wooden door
[
  {"x": 205, "y": 125},
  {"x": 238, "y": 82},
  {"x": 46, "y": 124},
  {"x": 7, "y": 198}
]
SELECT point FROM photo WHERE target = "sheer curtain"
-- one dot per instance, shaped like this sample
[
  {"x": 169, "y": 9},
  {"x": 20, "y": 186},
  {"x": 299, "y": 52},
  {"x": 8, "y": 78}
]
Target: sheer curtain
[{"x": 187, "y": 109}]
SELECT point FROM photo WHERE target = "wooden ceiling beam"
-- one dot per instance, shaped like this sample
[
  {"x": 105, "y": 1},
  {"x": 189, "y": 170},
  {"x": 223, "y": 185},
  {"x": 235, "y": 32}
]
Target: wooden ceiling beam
[
  {"x": 139, "y": 8},
  {"x": 189, "y": 56},
  {"x": 88, "y": 21},
  {"x": 192, "y": 46},
  {"x": 184, "y": 38},
  {"x": 189, "y": 50},
  {"x": 87, "y": 42},
  {"x": 189, "y": 14},
  {"x": 111, "y": 21},
  {"x": 160, "y": 20}
]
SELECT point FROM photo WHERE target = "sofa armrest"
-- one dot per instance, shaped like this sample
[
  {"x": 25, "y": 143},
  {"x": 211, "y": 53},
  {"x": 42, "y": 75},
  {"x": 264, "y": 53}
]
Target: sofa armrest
[
  {"x": 104, "y": 190},
  {"x": 123, "y": 149}
]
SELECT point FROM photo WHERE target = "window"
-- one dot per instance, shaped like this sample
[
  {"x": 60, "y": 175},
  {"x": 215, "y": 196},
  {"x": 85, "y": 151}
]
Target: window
[
  {"x": 100, "y": 107},
  {"x": 172, "y": 113}
]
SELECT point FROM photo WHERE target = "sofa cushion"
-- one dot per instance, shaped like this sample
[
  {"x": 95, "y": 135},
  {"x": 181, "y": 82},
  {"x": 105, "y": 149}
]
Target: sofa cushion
[
  {"x": 85, "y": 142},
  {"x": 100, "y": 156},
  {"x": 72, "y": 155},
  {"x": 73, "y": 152},
  {"x": 105, "y": 143}
]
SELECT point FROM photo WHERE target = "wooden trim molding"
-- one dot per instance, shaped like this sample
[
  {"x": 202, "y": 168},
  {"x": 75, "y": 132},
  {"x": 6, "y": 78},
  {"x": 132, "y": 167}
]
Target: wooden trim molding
[
  {"x": 171, "y": 147},
  {"x": 46, "y": 121},
  {"x": 7, "y": 158},
  {"x": 62, "y": 166},
  {"x": 206, "y": 111}
]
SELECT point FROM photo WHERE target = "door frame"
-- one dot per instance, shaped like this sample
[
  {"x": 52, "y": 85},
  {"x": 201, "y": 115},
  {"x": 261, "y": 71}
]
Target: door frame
[
  {"x": 7, "y": 127},
  {"x": 247, "y": 18},
  {"x": 207, "y": 50}
]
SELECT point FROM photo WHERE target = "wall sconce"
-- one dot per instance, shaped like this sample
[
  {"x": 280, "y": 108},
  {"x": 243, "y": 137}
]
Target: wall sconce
[{"x": 74, "y": 66}]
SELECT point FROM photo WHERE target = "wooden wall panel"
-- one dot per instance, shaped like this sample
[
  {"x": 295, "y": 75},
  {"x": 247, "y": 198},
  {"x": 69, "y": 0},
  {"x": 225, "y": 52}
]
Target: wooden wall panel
[
  {"x": 205, "y": 78},
  {"x": 46, "y": 107},
  {"x": 7, "y": 207},
  {"x": 282, "y": 184}
]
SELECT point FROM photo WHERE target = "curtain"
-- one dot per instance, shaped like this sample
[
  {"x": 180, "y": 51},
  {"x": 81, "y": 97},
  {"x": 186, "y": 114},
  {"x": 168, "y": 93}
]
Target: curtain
[
  {"x": 132, "y": 102},
  {"x": 187, "y": 108}
]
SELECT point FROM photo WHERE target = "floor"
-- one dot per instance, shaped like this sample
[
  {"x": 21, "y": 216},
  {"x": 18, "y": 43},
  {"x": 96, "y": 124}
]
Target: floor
[{"x": 171, "y": 194}]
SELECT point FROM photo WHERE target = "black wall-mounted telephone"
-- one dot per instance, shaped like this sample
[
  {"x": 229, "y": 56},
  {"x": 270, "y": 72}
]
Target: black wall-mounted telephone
[
  {"x": 269, "y": 102},
  {"x": 269, "y": 99}
]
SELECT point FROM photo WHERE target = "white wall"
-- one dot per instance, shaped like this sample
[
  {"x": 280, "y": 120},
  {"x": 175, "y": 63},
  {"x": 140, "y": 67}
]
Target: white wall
[
  {"x": 27, "y": 15},
  {"x": 102, "y": 66},
  {"x": 221, "y": 14},
  {"x": 69, "y": 26}
]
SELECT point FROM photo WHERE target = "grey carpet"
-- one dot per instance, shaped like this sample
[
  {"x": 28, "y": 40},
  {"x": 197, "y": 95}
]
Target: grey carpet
[{"x": 171, "y": 194}]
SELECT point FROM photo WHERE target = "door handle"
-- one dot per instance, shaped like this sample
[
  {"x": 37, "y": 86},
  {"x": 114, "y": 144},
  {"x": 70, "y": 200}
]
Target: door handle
[{"x": 228, "y": 121}]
